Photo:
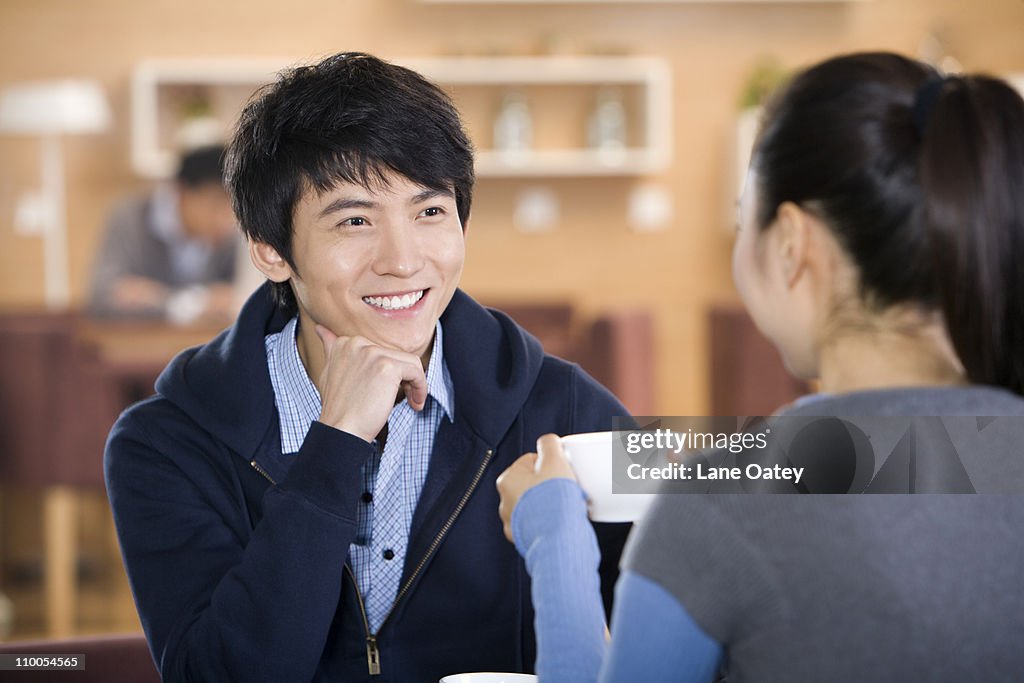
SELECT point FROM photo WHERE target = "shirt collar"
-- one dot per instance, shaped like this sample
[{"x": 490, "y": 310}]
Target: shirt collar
[
  {"x": 439, "y": 382},
  {"x": 165, "y": 214}
]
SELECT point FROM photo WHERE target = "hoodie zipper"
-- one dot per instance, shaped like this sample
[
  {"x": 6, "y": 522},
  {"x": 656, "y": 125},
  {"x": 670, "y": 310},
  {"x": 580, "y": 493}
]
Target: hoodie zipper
[
  {"x": 372, "y": 651},
  {"x": 256, "y": 466}
]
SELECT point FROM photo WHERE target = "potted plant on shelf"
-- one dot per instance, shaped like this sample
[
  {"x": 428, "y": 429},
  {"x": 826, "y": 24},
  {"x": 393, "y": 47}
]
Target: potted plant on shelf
[
  {"x": 767, "y": 75},
  {"x": 198, "y": 126}
]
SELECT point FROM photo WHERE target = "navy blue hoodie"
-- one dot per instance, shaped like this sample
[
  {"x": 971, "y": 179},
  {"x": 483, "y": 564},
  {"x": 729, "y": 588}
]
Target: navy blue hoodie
[{"x": 237, "y": 554}]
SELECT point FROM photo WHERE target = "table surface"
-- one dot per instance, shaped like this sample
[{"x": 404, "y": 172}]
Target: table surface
[{"x": 141, "y": 342}]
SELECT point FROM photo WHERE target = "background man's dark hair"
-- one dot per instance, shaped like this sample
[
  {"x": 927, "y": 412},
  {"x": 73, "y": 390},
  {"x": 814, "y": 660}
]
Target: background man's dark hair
[
  {"x": 351, "y": 118},
  {"x": 201, "y": 166},
  {"x": 925, "y": 200}
]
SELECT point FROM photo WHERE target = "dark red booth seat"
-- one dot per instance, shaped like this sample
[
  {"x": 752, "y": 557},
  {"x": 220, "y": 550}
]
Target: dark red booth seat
[{"x": 108, "y": 659}]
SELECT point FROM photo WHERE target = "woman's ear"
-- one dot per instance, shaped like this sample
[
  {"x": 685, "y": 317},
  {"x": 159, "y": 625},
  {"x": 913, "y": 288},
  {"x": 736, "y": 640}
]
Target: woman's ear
[
  {"x": 792, "y": 241},
  {"x": 269, "y": 262}
]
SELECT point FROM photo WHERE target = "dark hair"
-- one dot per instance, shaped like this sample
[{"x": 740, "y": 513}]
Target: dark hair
[
  {"x": 930, "y": 207},
  {"x": 201, "y": 166},
  {"x": 350, "y": 118}
]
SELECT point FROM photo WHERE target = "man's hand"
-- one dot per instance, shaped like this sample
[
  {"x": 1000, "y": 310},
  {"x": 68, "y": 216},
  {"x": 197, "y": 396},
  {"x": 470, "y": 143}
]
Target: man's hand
[
  {"x": 360, "y": 381},
  {"x": 530, "y": 469},
  {"x": 132, "y": 293},
  {"x": 221, "y": 302}
]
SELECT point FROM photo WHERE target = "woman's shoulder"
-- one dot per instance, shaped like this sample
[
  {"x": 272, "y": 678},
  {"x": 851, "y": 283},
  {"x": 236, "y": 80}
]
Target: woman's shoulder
[{"x": 972, "y": 399}]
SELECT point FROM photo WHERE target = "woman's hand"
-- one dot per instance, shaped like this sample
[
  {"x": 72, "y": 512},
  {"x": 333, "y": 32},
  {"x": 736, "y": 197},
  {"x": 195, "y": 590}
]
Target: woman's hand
[{"x": 530, "y": 469}]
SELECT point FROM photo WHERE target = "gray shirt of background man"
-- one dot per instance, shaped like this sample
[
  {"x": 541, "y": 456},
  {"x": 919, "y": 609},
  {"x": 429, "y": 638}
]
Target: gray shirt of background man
[{"x": 145, "y": 238}]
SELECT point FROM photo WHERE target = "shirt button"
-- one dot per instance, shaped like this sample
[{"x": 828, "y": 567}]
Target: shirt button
[
  {"x": 389, "y": 554},
  {"x": 367, "y": 497}
]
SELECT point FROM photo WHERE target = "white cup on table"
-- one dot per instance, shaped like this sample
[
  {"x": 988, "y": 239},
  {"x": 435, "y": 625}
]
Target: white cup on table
[{"x": 489, "y": 677}]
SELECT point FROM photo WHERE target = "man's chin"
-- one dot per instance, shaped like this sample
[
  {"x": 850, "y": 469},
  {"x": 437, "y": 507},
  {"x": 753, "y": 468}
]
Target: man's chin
[{"x": 417, "y": 347}]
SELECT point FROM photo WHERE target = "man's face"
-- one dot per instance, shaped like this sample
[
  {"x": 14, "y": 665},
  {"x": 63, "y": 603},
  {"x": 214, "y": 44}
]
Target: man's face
[
  {"x": 380, "y": 263},
  {"x": 206, "y": 213}
]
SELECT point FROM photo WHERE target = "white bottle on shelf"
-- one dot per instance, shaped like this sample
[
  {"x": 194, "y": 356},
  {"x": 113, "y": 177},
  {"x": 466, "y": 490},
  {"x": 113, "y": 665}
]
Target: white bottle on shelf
[
  {"x": 606, "y": 129},
  {"x": 513, "y": 129}
]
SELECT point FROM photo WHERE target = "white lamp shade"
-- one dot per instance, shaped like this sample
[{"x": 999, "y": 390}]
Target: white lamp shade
[
  {"x": 1018, "y": 82},
  {"x": 53, "y": 108}
]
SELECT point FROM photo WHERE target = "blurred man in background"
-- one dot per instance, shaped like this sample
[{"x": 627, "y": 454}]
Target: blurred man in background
[{"x": 171, "y": 252}]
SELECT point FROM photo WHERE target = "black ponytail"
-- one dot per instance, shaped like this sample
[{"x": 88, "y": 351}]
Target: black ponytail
[
  {"x": 921, "y": 180},
  {"x": 972, "y": 177}
]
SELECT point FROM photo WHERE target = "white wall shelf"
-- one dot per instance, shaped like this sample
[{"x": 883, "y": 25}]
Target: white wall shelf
[
  {"x": 155, "y": 81},
  {"x": 567, "y": 163},
  {"x": 152, "y": 153},
  {"x": 635, "y": 2}
]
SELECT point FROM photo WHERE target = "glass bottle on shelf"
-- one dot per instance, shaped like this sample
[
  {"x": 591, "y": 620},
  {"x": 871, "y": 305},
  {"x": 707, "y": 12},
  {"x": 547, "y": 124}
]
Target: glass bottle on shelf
[
  {"x": 606, "y": 128},
  {"x": 513, "y": 128}
]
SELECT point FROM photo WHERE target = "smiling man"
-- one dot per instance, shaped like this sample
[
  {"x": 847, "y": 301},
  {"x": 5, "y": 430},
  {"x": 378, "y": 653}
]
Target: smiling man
[{"x": 311, "y": 495}]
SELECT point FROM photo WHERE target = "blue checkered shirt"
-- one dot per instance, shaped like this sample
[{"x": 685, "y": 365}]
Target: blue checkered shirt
[{"x": 391, "y": 482}]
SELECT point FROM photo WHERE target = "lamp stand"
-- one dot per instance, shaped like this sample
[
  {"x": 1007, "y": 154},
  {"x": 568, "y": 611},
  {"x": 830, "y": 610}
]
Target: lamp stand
[{"x": 55, "y": 236}]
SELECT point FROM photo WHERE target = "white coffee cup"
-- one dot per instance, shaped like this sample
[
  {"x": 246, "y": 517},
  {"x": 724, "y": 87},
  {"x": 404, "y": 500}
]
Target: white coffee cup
[
  {"x": 489, "y": 677},
  {"x": 591, "y": 458}
]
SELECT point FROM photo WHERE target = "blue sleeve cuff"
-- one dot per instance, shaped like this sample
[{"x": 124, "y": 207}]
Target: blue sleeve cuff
[{"x": 549, "y": 509}]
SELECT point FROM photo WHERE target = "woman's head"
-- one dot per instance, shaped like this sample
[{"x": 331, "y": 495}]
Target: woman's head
[{"x": 880, "y": 191}]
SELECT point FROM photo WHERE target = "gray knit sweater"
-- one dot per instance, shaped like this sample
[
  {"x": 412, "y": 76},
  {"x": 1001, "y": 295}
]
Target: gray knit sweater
[{"x": 855, "y": 587}]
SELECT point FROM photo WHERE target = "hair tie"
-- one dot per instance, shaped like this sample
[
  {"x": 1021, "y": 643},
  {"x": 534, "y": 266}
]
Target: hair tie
[{"x": 924, "y": 100}]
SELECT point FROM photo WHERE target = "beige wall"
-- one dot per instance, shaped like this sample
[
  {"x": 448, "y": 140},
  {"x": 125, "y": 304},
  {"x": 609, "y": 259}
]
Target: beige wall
[{"x": 593, "y": 259}]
